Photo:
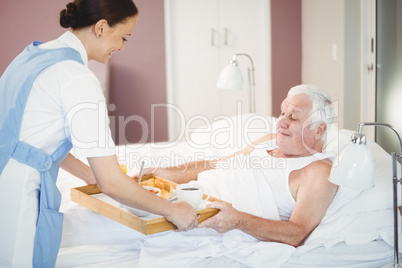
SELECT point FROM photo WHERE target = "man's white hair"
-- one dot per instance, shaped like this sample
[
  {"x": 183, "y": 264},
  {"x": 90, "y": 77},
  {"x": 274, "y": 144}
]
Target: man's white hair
[{"x": 322, "y": 108}]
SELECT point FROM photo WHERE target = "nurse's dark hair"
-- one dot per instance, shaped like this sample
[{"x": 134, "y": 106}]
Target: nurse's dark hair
[{"x": 83, "y": 13}]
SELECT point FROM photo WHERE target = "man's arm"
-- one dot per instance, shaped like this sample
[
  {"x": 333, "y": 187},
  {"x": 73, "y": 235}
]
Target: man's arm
[
  {"x": 189, "y": 171},
  {"x": 182, "y": 173},
  {"x": 314, "y": 195}
]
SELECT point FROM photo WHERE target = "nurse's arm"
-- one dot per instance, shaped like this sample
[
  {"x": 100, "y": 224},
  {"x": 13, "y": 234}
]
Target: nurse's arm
[
  {"x": 78, "y": 169},
  {"x": 113, "y": 182}
]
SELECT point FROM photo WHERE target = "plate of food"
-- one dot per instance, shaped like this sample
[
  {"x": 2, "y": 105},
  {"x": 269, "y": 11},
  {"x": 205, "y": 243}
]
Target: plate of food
[
  {"x": 164, "y": 186},
  {"x": 160, "y": 186}
]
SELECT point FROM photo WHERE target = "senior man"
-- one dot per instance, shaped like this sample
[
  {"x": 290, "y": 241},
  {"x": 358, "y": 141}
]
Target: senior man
[{"x": 299, "y": 184}]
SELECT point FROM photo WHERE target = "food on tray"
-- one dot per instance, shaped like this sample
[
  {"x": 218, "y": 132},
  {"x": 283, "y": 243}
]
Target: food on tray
[
  {"x": 163, "y": 185},
  {"x": 124, "y": 168},
  {"x": 153, "y": 191}
]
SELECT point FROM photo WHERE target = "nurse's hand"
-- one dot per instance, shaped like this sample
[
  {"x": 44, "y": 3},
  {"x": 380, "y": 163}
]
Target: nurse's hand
[{"x": 183, "y": 216}]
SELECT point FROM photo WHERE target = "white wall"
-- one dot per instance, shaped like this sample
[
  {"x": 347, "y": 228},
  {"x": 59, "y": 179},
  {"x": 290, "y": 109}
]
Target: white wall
[
  {"x": 323, "y": 48},
  {"x": 353, "y": 61},
  {"x": 331, "y": 53}
]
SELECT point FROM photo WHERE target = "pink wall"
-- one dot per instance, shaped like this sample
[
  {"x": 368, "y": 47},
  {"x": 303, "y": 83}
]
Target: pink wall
[
  {"x": 286, "y": 49},
  {"x": 24, "y": 21},
  {"x": 137, "y": 78}
]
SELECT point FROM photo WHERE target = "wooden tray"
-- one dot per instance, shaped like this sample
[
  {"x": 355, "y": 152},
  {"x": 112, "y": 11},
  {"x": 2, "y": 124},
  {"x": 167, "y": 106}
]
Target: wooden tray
[{"x": 83, "y": 196}]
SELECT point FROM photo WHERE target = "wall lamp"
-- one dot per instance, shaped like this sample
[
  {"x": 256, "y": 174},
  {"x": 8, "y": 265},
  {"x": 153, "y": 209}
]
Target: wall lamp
[
  {"x": 356, "y": 170},
  {"x": 231, "y": 78}
]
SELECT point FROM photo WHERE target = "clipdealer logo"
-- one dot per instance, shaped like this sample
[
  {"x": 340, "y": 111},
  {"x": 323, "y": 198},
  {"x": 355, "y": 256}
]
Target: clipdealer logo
[{"x": 222, "y": 133}]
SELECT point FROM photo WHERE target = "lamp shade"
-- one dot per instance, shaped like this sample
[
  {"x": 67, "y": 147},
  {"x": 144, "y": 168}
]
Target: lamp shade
[
  {"x": 230, "y": 77},
  {"x": 355, "y": 168}
]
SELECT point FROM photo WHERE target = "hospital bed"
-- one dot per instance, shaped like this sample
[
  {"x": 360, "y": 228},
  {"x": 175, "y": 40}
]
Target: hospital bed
[{"x": 357, "y": 230}]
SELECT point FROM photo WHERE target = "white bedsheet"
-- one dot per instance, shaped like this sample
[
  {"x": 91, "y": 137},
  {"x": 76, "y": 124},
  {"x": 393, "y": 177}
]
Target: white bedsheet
[
  {"x": 351, "y": 235},
  {"x": 201, "y": 244},
  {"x": 92, "y": 240}
]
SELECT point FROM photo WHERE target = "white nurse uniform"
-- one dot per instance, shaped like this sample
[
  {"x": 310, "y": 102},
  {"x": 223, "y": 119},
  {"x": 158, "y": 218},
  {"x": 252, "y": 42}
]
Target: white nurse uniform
[{"x": 66, "y": 101}]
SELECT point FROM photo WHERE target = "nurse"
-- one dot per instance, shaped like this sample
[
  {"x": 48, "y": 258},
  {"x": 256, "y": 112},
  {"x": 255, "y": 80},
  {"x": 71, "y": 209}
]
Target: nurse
[{"x": 51, "y": 102}]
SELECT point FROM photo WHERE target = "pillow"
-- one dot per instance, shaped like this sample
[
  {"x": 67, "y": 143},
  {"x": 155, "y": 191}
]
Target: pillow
[
  {"x": 336, "y": 140},
  {"x": 378, "y": 197},
  {"x": 229, "y": 134},
  {"x": 358, "y": 216}
]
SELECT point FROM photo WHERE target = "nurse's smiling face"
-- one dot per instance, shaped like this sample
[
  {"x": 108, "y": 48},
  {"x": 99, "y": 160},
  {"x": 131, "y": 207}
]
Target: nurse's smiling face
[{"x": 111, "y": 39}]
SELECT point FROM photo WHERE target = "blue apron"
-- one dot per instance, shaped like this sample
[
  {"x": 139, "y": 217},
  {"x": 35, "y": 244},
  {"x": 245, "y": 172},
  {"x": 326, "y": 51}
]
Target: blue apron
[{"x": 15, "y": 86}]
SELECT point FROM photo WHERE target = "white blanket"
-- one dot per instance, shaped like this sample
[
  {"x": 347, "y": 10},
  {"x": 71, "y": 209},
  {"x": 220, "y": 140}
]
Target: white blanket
[
  {"x": 198, "y": 245},
  {"x": 246, "y": 189},
  {"x": 92, "y": 240}
]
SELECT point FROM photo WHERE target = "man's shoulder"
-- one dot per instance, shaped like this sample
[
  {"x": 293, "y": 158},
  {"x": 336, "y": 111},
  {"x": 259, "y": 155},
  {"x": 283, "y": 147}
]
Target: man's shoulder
[
  {"x": 318, "y": 169},
  {"x": 320, "y": 163}
]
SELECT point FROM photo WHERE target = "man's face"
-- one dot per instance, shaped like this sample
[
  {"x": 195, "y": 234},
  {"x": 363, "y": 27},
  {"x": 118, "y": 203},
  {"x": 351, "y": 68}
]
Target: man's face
[{"x": 294, "y": 136}]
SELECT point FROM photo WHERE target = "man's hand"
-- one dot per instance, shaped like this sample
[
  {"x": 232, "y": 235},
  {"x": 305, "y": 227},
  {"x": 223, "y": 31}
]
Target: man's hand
[{"x": 227, "y": 219}]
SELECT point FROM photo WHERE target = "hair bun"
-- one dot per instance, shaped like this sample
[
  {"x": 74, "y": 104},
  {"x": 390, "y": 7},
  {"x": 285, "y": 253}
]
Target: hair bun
[{"x": 68, "y": 16}]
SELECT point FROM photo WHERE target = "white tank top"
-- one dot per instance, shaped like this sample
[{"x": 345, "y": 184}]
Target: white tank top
[{"x": 276, "y": 173}]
